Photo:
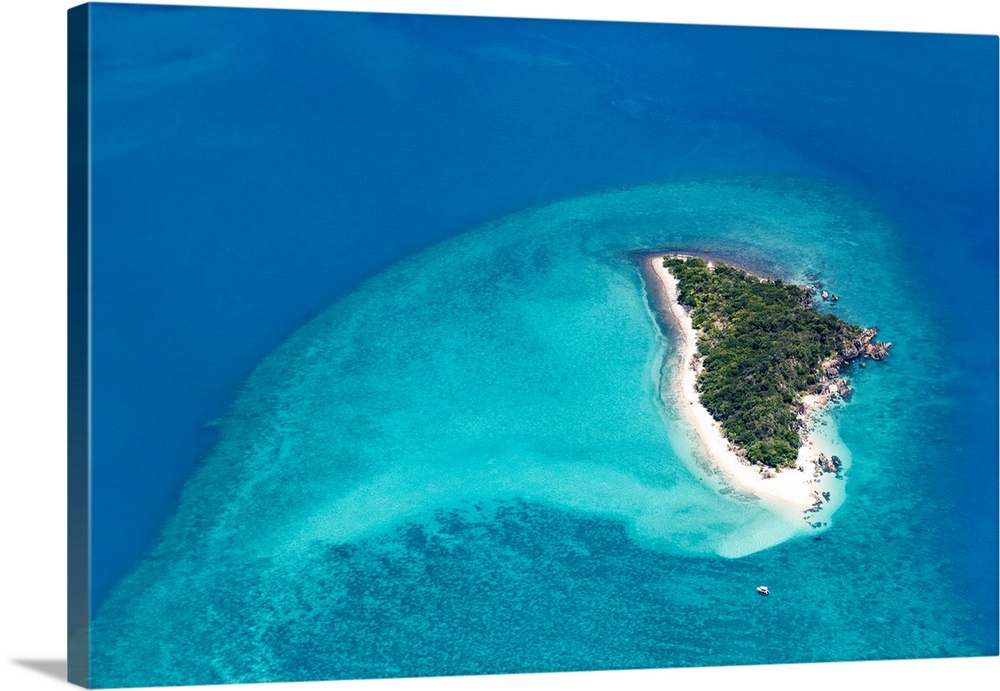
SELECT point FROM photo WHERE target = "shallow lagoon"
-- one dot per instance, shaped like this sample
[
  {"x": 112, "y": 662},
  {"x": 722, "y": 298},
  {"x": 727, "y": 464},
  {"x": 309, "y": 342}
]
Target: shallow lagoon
[
  {"x": 475, "y": 432},
  {"x": 469, "y": 435}
]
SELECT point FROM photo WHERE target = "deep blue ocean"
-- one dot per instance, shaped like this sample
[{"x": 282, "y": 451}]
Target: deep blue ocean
[{"x": 375, "y": 377}]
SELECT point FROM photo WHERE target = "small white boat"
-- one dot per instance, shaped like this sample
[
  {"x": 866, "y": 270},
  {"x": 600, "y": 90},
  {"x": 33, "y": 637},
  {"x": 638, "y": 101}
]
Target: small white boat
[{"x": 762, "y": 589}]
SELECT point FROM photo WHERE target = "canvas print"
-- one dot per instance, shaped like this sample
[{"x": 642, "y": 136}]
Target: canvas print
[{"x": 411, "y": 345}]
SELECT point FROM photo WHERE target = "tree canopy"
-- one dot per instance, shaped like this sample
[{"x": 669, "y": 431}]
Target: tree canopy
[{"x": 762, "y": 345}]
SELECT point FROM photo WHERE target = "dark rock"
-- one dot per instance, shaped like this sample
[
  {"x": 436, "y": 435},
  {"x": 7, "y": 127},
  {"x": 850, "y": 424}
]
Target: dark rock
[
  {"x": 835, "y": 389},
  {"x": 830, "y": 464},
  {"x": 877, "y": 350},
  {"x": 821, "y": 461}
]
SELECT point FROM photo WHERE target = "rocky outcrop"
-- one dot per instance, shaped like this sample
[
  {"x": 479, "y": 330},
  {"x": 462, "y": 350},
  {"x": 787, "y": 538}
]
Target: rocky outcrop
[
  {"x": 829, "y": 464},
  {"x": 840, "y": 389},
  {"x": 865, "y": 346},
  {"x": 877, "y": 350},
  {"x": 862, "y": 348}
]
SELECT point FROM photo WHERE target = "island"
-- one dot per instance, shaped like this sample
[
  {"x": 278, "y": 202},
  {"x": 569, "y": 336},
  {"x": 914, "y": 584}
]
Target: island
[{"x": 758, "y": 361}]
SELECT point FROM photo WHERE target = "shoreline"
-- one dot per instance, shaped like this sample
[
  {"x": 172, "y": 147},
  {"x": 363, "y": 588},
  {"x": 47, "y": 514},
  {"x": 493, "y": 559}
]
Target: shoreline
[{"x": 806, "y": 488}]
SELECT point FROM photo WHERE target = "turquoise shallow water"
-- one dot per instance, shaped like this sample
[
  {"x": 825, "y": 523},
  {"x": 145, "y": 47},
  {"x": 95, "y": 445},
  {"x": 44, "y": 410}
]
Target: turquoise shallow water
[{"x": 464, "y": 467}]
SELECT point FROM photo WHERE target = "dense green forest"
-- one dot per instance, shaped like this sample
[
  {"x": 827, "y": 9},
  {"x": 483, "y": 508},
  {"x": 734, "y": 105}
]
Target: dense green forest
[{"x": 762, "y": 344}]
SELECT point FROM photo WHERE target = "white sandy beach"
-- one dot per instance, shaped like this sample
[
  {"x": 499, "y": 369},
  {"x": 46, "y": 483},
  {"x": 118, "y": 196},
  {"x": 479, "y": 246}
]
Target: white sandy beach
[{"x": 796, "y": 488}]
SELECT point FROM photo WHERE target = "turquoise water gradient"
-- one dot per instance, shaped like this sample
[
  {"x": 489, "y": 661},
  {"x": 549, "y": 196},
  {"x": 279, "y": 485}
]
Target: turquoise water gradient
[{"x": 465, "y": 466}]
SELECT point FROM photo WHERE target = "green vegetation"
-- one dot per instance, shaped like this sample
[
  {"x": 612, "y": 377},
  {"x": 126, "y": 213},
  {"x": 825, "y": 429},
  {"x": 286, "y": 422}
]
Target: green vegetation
[{"x": 762, "y": 345}]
